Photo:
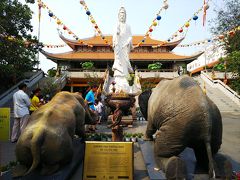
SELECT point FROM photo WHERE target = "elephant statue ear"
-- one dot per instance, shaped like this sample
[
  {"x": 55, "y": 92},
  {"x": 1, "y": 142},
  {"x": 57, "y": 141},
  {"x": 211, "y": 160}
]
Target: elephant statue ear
[{"x": 143, "y": 102}]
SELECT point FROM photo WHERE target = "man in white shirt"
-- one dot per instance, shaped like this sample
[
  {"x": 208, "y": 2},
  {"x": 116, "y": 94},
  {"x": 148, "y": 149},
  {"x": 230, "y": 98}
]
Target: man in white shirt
[{"x": 21, "y": 104}]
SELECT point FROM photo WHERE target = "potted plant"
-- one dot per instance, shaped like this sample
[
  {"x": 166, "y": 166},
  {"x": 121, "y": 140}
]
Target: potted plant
[
  {"x": 155, "y": 66},
  {"x": 109, "y": 137},
  {"x": 134, "y": 139},
  {"x": 88, "y": 65},
  {"x": 140, "y": 135},
  {"x": 128, "y": 137},
  {"x": 104, "y": 137},
  {"x": 6, "y": 169}
]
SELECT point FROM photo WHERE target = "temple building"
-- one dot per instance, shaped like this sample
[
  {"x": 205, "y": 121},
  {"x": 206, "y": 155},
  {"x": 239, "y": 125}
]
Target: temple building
[{"x": 99, "y": 51}]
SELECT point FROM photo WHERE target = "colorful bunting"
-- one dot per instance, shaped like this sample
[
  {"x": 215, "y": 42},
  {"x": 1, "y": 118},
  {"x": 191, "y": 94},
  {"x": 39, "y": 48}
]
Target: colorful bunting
[
  {"x": 60, "y": 23},
  {"x": 154, "y": 23},
  {"x": 96, "y": 27}
]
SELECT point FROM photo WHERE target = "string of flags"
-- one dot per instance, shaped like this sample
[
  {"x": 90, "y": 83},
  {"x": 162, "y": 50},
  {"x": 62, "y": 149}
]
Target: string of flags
[
  {"x": 214, "y": 38},
  {"x": 60, "y": 23},
  {"x": 155, "y": 22},
  {"x": 96, "y": 27},
  {"x": 54, "y": 46},
  {"x": 185, "y": 26}
]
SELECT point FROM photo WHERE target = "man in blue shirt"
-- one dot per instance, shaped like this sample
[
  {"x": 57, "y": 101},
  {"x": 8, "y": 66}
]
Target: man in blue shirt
[{"x": 90, "y": 98}]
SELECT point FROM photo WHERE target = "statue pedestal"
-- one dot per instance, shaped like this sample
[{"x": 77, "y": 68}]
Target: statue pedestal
[
  {"x": 117, "y": 134},
  {"x": 119, "y": 103}
]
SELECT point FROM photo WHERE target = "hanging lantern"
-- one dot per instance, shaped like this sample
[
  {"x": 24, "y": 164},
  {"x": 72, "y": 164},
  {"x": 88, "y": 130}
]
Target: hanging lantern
[
  {"x": 154, "y": 23},
  {"x": 231, "y": 33},
  {"x": 59, "y": 22},
  {"x": 159, "y": 17},
  {"x": 165, "y": 5},
  {"x": 76, "y": 38},
  {"x": 64, "y": 27},
  {"x": 70, "y": 32},
  {"x": 50, "y": 14},
  {"x": 195, "y": 17},
  {"x": 209, "y": 40},
  {"x": 221, "y": 37},
  {"x": 96, "y": 27},
  {"x": 150, "y": 30},
  {"x": 180, "y": 30},
  {"x": 206, "y": 7},
  {"x": 40, "y": 5},
  {"x": 103, "y": 37},
  {"x": 169, "y": 40},
  {"x": 143, "y": 41},
  {"x": 93, "y": 21},
  {"x": 88, "y": 13},
  {"x": 82, "y": 2},
  {"x": 187, "y": 24}
]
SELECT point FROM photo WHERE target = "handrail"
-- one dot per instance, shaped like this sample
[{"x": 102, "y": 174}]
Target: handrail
[
  {"x": 5, "y": 96},
  {"x": 226, "y": 87},
  {"x": 103, "y": 70},
  {"x": 61, "y": 80}
]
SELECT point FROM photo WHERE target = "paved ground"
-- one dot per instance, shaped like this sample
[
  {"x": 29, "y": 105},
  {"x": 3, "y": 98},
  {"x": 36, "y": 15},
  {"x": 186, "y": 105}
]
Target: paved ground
[{"x": 230, "y": 145}]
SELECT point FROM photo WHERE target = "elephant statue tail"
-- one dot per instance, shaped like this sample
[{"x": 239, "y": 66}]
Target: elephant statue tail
[
  {"x": 36, "y": 142},
  {"x": 208, "y": 138},
  {"x": 210, "y": 159}
]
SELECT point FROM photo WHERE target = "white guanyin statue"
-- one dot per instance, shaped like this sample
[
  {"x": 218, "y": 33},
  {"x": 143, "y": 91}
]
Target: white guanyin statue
[{"x": 122, "y": 45}]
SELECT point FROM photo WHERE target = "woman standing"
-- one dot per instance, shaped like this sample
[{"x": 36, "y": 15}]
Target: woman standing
[{"x": 35, "y": 101}]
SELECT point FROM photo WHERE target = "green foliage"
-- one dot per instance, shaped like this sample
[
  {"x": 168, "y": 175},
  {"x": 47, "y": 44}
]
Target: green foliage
[
  {"x": 130, "y": 79},
  {"x": 49, "y": 88},
  {"x": 52, "y": 72},
  {"x": 228, "y": 19},
  {"x": 155, "y": 66},
  {"x": 17, "y": 46},
  {"x": 88, "y": 65},
  {"x": 233, "y": 62},
  {"x": 92, "y": 79},
  {"x": 98, "y": 137},
  {"x": 9, "y": 166},
  {"x": 219, "y": 67}
]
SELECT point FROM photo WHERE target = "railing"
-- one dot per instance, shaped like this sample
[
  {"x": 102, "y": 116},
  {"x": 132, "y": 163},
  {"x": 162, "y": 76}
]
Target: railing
[
  {"x": 6, "y": 96},
  {"x": 221, "y": 86},
  {"x": 143, "y": 73},
  {"x": 62, "y": 81}
]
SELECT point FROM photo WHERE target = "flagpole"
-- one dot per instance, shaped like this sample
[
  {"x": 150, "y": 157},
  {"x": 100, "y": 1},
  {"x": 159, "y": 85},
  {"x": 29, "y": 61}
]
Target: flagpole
[
  {"x": 205, "y": 49},
  {"x": 39, "y": 30}
]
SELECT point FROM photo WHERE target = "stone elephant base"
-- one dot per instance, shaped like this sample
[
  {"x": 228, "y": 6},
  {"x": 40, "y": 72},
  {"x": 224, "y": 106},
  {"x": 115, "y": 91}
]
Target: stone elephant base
[
  {"x": 221, "y": 164},
  {"x": 64, "y": 173}
]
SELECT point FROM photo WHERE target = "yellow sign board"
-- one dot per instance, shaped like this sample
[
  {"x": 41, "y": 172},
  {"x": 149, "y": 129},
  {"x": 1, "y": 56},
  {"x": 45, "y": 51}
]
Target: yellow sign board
[
  {"x": 108, "y": 161},
  {"x": 4, "y": 124}
]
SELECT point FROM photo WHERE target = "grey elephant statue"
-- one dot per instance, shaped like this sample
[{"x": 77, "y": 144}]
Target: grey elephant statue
[
  {"x": 47, "y": 140},
  {"x": 182, "y": 116}
]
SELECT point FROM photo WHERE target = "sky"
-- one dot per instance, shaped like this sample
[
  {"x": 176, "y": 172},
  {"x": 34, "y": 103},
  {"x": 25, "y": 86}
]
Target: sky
[{"x": 140, "y": 14}]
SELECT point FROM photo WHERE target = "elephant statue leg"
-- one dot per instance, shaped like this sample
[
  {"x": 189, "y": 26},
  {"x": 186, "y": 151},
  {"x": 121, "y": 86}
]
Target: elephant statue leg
[
  {"x": 173, "y": 167},
  {"x": 149, "y": 132},
  {"x": 166, "y": 149},
  {"x": 201, "y": 157}
]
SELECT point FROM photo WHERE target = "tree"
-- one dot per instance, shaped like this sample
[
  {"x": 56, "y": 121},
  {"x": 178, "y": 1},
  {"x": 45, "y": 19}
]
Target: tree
[
  {"x": 227, "y": 23},
  {"x": 17, "y": 46}
]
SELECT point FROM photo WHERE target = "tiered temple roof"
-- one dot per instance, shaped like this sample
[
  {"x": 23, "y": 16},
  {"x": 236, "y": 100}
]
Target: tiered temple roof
[{"x": 96, "y": 49}]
